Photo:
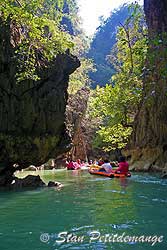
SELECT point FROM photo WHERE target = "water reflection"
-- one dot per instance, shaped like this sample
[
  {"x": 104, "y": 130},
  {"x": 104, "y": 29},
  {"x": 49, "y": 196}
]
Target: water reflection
[{"x": 124, "y": 182}]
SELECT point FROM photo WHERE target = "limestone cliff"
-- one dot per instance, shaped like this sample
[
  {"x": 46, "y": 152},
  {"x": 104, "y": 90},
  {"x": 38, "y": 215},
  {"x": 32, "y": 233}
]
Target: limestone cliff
[
  {"x": 32, "y": 114},
  {"x": 148, "y": 150},
  {"x": 76, "y": 109}
]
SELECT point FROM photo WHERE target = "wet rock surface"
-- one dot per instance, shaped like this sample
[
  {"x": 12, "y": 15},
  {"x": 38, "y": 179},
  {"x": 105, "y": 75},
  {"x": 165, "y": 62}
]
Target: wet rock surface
[{"x": 32, "y": 114}]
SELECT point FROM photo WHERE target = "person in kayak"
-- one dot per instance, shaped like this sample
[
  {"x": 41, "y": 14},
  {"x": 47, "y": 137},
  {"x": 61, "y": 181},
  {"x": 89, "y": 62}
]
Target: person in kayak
[
  {"x": 106, "y": 167},
  {"x": 100, "y": 162},
  {"x": 70, "y": 165},
  {"x": 123, "y": 166}
]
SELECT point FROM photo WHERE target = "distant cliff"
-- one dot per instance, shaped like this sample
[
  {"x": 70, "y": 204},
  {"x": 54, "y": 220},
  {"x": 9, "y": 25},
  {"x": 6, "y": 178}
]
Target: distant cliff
[
  {"x": 32, "y": 114},
  {"x": 149, "y": 142},
  {"x": 102, "y": 44}
]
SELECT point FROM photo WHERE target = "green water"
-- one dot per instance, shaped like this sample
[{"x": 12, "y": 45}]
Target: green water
[{"x": 86, "y": 204}]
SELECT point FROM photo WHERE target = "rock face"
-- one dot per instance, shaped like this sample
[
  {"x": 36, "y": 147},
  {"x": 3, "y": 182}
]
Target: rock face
[
  {"x": 76, "y": 109},
  {"x": 54, "y": 184},
  {"x": 149, "y": 141},
  {"x": 29, "y": 181},
  {"x": 32, "y": 114}
]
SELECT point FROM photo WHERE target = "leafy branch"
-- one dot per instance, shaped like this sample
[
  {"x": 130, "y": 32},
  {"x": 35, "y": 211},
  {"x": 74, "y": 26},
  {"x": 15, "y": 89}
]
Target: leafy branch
[{"x": 38, "y": 23}]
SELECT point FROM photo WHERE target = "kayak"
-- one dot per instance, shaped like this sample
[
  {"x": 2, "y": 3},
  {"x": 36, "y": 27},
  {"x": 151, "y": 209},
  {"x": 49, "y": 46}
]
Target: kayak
[
  {"x": 78, "y": 168},
  {"x": 94, "y": 167},
  {"x": 110, "y": 175},
  {"x": 122, "y": 175}
]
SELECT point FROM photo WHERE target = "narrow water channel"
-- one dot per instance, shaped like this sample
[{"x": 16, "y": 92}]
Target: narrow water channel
[{"x": 93, "y": 212}]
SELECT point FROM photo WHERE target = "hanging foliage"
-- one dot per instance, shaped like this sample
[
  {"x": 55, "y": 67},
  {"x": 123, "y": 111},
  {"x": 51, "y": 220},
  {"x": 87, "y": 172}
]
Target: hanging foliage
[{"x": 42, "y": 37}]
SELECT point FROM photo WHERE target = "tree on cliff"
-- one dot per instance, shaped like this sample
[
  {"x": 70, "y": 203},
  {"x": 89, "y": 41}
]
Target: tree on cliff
[
  {"x": 78, "y": 91},
  {"x": 34, "y": 48},
  {"x": 41, "y": 36},
  {"x": 149, "y": 139},
  {"x": 117, "y": 104}
]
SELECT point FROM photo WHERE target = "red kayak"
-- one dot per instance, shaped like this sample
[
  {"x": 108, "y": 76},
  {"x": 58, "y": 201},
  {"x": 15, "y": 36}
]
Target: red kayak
[{"x": 110, "y": 175}]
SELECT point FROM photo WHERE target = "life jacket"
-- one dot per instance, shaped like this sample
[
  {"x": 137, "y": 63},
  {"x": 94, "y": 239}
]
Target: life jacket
[
  {"x": 123, "y": 167},
  {"x": 70, "y": 165}
]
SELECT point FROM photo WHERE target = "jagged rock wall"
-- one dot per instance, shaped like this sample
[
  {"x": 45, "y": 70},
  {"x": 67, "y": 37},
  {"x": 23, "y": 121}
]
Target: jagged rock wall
[
  {"x": 148, "y": 149},
  {"x": 32, "y": 114},
  {"x": 76, "y": 109}
]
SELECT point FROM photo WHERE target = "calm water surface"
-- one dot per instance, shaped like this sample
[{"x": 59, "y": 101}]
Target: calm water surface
[{"x": 92, "y": 209}]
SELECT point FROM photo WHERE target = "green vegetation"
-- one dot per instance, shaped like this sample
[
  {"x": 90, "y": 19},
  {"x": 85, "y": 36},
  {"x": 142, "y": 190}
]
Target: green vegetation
[
  {"x": 80, "y": 78},
  {"x": 46, "y": 28},
  {"x": 117, "y": 104},
  {"x": 39, "y": 33}
]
